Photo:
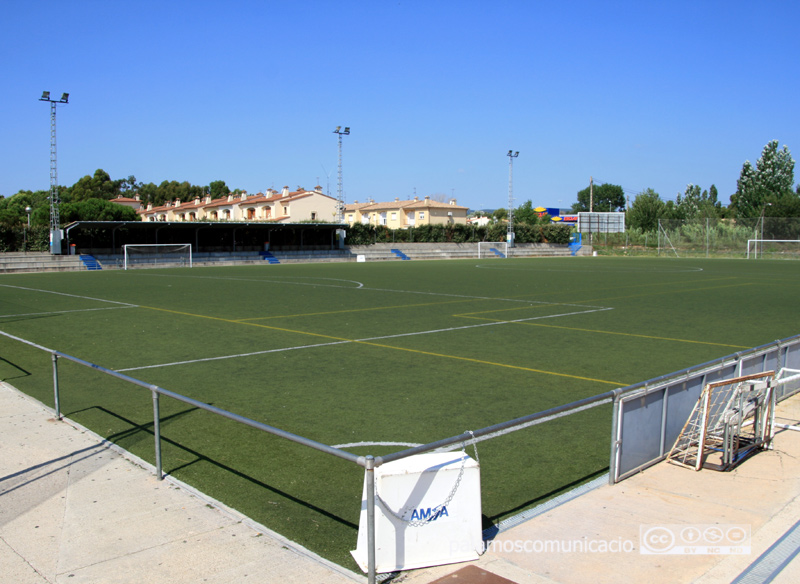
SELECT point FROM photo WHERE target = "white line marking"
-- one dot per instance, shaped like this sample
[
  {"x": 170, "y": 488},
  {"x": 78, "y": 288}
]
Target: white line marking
[
  {"x": 235, "y": 356},
  {"x": 70, "y": 295},
  {"x": 365, "y": 340},
  {"x": 66, "y": 311},
  {"x": 469, "y": 326}
]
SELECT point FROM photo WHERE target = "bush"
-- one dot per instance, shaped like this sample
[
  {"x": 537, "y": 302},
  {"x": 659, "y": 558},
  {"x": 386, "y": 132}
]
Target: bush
[
  {"x": 358, "y": 234},
  {"x": 556, "y": 233}
]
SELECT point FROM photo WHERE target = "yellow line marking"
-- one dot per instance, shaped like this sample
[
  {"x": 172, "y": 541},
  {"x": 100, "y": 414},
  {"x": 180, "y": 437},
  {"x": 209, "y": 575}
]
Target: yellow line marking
[
  {"x": 520, "y": 368},
  {"x": 617, "y": 383},
  {"x": 569, "y": 328}
]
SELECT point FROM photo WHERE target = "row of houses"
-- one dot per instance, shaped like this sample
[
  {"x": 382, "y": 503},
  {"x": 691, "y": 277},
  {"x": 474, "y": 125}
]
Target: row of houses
[
  {"x": 273, "y": 206},
  {"x": 404, "y": 214},
  {"x": 301, "y": 206}
]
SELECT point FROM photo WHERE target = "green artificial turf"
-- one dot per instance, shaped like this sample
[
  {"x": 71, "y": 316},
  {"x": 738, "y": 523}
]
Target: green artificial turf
[{"x": 378, "y": 352}]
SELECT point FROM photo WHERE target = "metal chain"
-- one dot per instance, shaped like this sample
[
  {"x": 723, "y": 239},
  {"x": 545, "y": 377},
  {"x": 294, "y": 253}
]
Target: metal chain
[{"x": 400, "y": 515}]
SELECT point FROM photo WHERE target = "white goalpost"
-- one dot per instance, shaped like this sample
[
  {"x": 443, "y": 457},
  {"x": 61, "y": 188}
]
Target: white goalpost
[
  {"x": 149, "y": 255},
  {"x": 775, "y": 248},
  {"x": 492, "y": 249}
]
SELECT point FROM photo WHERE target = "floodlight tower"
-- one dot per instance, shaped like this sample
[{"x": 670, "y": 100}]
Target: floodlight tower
[
  {"x": 55, "y": 220},
  {"x": 510, "y": 235},
  {"x": 340, "y": 199}
]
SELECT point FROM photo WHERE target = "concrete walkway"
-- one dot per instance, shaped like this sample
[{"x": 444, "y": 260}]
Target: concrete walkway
[{"x": 73, "y": 509}]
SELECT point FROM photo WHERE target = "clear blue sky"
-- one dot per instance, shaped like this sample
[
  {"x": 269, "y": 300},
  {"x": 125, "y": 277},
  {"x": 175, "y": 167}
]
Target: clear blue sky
[{"x": 640, "y": 94}]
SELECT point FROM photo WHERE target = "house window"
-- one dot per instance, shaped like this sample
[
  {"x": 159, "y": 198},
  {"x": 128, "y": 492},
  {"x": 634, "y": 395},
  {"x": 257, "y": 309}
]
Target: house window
[
  {"x": 226, "y": 214},
  {"x": 286, "y": 210},
  {"x": 394, "y": 216},
  {"x": 422, "y": 215},
  {"x": 313, "y": 216}
]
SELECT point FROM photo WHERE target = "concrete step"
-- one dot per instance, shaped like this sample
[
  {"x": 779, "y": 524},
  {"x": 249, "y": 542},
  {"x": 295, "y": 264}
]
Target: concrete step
[{"x": 15, "y": 262}]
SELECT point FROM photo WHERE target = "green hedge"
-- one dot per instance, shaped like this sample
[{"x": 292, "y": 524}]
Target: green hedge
[
  {"x": 15, "y": 238},
  {"x": 359, "y": 234}
]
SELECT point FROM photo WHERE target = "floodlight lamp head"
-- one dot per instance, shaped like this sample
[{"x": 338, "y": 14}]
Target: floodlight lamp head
[
  {"x": 509, "y": 153},
  {"x": 65, "y": 97},
  {"x": 347, "y": 130},
  {"x": 45, "y": 96},
  {"x": 336, "y": 131}
]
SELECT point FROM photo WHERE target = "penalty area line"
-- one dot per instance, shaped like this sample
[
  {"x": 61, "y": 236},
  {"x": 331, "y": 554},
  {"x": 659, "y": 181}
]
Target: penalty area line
[{"x": 223, "y": 357}]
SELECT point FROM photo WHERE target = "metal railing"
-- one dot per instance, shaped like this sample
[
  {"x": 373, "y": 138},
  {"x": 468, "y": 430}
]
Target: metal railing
[
  {"x": 649, "y": 416},
  {"x": 654, "y": 393}
]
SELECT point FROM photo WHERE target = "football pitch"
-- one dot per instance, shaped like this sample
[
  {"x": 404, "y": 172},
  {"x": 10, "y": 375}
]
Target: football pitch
[{"x": 376, "y": 356}]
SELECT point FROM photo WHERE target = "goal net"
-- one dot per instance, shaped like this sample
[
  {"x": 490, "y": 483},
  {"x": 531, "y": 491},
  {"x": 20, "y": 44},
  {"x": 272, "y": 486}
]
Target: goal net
[
  {"x": 162, "y": 255},
  {"x": 492, "y": 249},
  {"x": 775, "y": 249}
]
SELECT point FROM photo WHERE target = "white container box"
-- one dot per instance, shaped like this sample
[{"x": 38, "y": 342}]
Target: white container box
[{"x": 427, "y": 513}]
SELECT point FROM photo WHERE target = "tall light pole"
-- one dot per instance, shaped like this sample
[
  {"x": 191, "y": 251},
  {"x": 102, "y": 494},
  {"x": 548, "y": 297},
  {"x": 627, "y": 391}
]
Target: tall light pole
[
  {"x": 510, "y": 235},
  {"x": 340, "y": 198},
  {"x": 55, "y": 220},
  {"x": 25, "y": 238}
]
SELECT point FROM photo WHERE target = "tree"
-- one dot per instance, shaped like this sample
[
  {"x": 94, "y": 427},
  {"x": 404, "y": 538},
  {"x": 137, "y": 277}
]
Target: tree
[
  {"x": 96, "y": 210},
  {"x": 500, "y": 214},
  {"x": 98, "y": 186},
  {"x": 12, "y": 210},
  {"x": 219, "y": 189},
  {"x": 771, "y": 179},
  {"x": 525, "y": 214},
  {"x": 129, "y": 184},
  {"x": 607, "y": 197},
  {"x": 646, "y": 210},
  {"x": 697, "y": 205}
]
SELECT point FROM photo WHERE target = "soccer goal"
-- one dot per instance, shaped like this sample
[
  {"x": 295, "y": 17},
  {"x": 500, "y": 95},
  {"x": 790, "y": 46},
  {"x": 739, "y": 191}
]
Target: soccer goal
[
  {"x": 492, "y": 249},
  {"x": 150, "y": 255},
  {"x": 775, "y": 249}
]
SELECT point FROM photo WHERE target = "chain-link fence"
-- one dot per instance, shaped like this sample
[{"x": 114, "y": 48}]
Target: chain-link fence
[{"x": 768, "y": 237}]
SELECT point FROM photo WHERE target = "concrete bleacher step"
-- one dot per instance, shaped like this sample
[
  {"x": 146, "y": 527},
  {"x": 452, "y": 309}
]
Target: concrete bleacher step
[{"x": 12, "y": 262}]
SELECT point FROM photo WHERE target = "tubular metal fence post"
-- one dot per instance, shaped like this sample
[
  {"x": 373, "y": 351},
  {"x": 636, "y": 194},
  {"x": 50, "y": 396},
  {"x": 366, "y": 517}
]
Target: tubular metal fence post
[
  {"x": 55, "y": 386},
  {"x": 369, "y": 469},
  {"x": 157, "y": 432},
  {"x": 615, "y": 440}
]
